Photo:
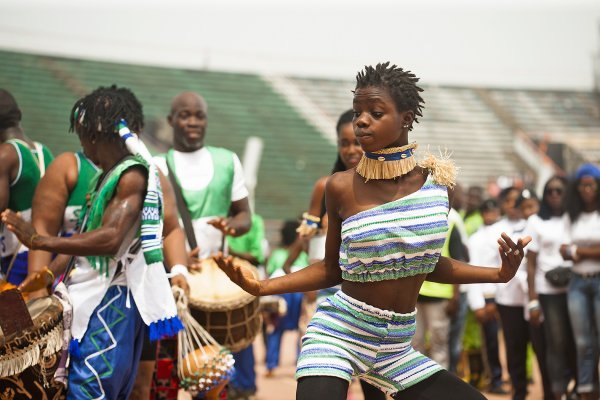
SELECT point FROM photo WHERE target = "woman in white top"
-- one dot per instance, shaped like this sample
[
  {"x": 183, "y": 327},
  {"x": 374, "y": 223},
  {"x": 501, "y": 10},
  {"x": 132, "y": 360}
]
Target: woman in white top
[
  {"x": 583, "y": 229},
  {"x": 548, "y": 303},
  {"x": 511, "y": 299}
]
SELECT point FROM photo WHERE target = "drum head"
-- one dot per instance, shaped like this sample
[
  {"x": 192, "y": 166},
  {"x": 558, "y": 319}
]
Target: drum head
[
  {"x": 212, "y": 290},
  {"x": 37, "y": 306}
]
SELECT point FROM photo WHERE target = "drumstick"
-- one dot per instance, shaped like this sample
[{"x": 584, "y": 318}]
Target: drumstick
[{"x": 224, "y": 247}]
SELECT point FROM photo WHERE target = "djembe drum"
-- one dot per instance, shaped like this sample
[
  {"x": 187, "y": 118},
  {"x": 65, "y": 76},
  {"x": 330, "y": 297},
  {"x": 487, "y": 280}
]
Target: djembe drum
[
  {"x": 203, "y": 366},
  {"x": 231, "y": 315},
  {"x": 30, "y": 355}
]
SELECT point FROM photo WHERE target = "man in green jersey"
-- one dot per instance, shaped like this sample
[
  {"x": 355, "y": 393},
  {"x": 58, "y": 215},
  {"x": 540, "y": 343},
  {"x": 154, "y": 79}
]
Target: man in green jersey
[{"x": 22, "y": 164}]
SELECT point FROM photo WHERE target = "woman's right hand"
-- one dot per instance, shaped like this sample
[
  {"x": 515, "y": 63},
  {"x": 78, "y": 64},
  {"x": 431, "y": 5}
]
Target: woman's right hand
[{"x": 241, "y": 276}]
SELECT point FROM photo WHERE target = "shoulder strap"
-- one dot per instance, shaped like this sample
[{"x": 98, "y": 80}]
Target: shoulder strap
[{"x": 184, "y": 213}]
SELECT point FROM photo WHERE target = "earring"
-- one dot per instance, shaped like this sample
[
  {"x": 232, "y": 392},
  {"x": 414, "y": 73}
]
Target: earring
[{"x": 406, "y": 126}]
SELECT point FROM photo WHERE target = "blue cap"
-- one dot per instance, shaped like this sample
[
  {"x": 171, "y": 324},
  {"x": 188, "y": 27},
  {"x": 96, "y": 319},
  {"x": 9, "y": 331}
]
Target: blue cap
[{"x": 588, "y": 170}]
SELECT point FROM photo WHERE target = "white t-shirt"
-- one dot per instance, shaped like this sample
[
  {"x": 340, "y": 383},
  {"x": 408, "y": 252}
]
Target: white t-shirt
[
  {"x": 546, "y": 238},
  {"x": 515, "y": 291},
  {"x": 195, "y": 170},
  {"x": 483, "y": 252},
  {"x": 585, "y": 231}
]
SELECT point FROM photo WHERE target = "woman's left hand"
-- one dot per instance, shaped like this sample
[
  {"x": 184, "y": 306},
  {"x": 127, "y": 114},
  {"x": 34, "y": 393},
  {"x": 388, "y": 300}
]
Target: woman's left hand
[
  {"x": 21, "y": 228},
  {"x": 511, "y": 254}
]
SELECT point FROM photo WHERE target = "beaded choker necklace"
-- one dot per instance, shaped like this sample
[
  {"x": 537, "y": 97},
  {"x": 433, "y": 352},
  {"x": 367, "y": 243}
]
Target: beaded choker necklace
[{"x": 387, "y": 163}]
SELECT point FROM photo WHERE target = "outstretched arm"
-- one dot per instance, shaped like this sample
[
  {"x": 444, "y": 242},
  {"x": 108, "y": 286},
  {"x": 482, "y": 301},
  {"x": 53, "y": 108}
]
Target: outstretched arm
[
  {"x": 121, "y": 214},
  {"x": 449, "y": 270},
  {"x": 322, "y": 274}
]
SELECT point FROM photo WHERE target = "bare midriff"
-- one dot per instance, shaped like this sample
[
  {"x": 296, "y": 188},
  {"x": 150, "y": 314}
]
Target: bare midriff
[{"x": 398, "y": 295}]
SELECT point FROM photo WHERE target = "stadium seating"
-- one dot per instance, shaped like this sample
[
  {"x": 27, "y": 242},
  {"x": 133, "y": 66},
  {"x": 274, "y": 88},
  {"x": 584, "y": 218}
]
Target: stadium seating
[
  {"x": 296, "y": 119},
  {"x": 455, "y": 119},
  {"x": 294, "y": 154}
]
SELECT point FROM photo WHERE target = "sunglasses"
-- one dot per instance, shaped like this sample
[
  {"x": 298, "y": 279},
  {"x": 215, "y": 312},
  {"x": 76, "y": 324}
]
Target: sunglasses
[
  {"x": 583, "y": 185},
  {"x": 551, "y": 191}
]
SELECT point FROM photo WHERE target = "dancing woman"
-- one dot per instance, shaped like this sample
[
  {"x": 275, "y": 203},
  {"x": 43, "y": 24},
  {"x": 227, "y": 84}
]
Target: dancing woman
[
  {"x": 387, "y": 222},
  {"x": 348, "y": 157}
]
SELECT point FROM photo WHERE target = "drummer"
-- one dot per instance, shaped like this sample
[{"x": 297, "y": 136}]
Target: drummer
[
  {"x": 211, "y": 180},
  {"x": 22, "y": 164},
  {"x": 120, "y": 286},
  {"x": 57, "y": 204}
]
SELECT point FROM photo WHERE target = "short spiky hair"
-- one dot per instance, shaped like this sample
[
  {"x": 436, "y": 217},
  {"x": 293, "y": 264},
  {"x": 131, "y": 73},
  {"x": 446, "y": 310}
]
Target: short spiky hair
[
  {"x": 402, "y": 86},
  {"x": 98, "y": 113}
]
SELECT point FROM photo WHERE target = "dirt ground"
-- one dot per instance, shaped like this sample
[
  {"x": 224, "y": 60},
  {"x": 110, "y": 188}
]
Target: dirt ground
[{"x": 282, "y": 385}]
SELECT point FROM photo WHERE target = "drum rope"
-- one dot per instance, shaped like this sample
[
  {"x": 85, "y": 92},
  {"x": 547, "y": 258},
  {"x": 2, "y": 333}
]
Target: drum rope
[{"x": 192, "y": 341}]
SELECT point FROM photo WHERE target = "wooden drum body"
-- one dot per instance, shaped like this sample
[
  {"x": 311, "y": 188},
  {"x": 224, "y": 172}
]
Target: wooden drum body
[
  {"x": 229, "y": 314},
  {"x": 29, "y": 358}
]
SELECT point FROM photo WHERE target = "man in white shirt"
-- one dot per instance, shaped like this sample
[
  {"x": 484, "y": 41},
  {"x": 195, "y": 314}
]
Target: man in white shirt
[
  {"x": 212, "y": 185},
  {"x": 211, "y": 178}
]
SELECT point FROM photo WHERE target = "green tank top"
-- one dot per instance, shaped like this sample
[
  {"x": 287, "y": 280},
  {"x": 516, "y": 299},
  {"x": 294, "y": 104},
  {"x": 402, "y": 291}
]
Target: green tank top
[
  {"x": 86, "y": 173},
  {"x": 215, "y": 199},
  {"x": 30, "y": 173},
  {"x": 472, "y": 222},
  {"x": 280, "y": 255}
]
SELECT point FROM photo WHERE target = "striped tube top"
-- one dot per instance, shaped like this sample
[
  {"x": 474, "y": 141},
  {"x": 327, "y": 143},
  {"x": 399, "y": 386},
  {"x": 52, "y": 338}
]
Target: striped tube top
[{"x": 397, "y": 239}]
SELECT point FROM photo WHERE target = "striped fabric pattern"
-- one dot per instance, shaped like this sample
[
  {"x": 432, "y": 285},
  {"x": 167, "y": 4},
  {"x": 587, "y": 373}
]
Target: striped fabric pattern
[
  {"x": 348, "y": 338},
  {"x": 397, "y": 239},
  {"x": 325, "y": 293}
]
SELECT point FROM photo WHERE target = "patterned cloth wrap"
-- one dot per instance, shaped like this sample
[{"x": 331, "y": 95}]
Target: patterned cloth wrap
[{"x": 347, "y": 337}]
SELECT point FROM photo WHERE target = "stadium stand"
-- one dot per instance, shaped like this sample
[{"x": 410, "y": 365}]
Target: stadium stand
[
  {"x": 556, "y": 116},
  {"x": 455, "y": 119},
  {"x": 294, "y": 156},
  {"x": 481, "y": 127}
]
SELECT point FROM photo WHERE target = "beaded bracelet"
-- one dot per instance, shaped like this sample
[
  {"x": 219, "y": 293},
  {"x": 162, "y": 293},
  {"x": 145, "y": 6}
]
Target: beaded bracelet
[{"x": 309, "y": 225}]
